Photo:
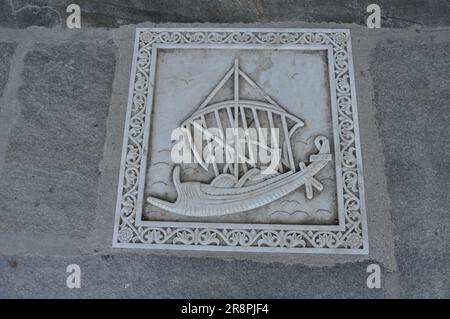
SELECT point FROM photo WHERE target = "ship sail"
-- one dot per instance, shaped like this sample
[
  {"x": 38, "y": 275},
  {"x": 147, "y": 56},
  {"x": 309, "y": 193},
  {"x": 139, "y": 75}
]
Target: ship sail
[
  {"x": 241, "y": 113},
  {"x": 242, "y": 183}
]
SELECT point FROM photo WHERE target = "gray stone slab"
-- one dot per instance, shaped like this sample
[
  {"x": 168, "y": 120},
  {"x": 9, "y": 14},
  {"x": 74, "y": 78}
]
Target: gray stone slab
[
  {"x": 50, "y": 175},
  {"x": 114, "y": 13},
  {"x": 6, "y": 51},
  {"x": 7, "y": 18},
  {"x": 411, "y": 81},
  {"x": 380, "y": 234},
  {"x": 137, "y": 276}
]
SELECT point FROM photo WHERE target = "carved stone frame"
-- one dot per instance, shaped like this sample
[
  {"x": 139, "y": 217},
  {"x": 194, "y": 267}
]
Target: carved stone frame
[{"x": 350, "y": 237}]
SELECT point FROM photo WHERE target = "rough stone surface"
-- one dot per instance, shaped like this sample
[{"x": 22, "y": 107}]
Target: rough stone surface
[
  {"x": 50, "y": 174},
  {"x": 114, "y": 13},
  {"x": 7, "y": 18},
  {"x": 137, "y": 276},
  {"x": 6, "y": 51},
  {"x": 63, "y": 90},
  {"x": 413, "y": 113}
]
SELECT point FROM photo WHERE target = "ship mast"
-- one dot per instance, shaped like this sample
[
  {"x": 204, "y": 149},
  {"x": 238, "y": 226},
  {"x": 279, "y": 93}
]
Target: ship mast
[{"x": 236, "y": 118}]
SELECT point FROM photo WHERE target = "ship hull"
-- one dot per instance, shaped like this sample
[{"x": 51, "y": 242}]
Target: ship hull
[{"x": 197, "y": 199}]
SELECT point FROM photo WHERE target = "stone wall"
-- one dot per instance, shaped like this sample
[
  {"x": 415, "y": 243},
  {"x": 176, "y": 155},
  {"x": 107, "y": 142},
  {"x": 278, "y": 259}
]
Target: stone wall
[{"x": 63, "y": 98}]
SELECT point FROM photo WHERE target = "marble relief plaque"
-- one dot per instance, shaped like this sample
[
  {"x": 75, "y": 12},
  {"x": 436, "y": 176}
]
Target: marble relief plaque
[{"x": 242, "y": 140}]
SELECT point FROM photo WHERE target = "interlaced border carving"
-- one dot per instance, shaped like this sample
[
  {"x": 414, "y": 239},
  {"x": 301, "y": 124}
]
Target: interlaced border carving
[{"x": 352, "y": 240}]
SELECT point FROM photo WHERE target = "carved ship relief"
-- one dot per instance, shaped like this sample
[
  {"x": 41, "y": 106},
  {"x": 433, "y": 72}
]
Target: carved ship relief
[{"x": 243, "y": 185}]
